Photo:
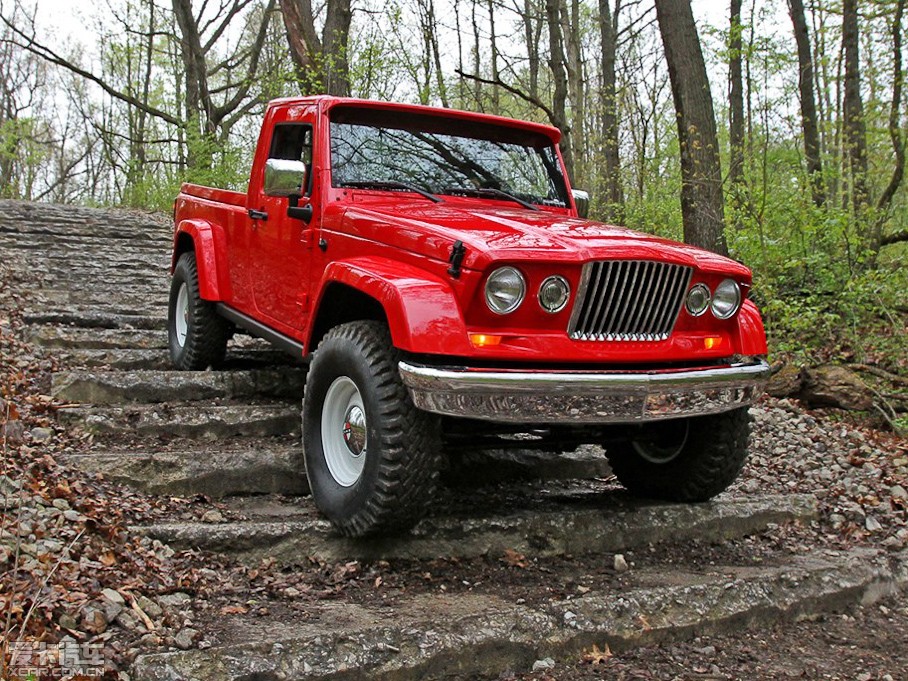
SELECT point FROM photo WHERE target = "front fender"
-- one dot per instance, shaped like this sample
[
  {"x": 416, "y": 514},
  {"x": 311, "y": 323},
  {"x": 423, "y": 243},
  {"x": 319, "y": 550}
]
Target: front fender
[
  {"x": 422, "y": 310},
  {"x": 210, "y": 256},
  {"x": 751, "y": 336}
]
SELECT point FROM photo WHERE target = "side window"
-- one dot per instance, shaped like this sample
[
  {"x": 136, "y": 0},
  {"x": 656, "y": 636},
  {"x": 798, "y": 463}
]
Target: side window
[{"x": 293, "y": 142}]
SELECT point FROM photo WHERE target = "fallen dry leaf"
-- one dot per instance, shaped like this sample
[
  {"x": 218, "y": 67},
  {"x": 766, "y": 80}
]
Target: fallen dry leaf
[
  {"x": 515, "y": 559},
  {"x": 596, "y": 656}
]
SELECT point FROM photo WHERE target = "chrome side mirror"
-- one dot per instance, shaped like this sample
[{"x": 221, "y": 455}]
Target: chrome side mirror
[
  {"x": 284, "y": 177},
  {"x": 582, "y": 201}
]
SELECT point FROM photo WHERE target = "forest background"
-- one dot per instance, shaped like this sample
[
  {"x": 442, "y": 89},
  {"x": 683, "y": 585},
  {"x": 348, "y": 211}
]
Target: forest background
[{"x": 789, "y": 120}]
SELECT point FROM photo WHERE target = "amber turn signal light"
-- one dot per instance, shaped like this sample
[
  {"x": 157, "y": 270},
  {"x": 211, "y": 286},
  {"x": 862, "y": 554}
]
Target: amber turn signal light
[{"x": 483, "y": 340}]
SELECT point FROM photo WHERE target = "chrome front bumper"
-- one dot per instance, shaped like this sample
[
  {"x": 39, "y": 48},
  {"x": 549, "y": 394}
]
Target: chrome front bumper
[{"x": 527, "y": 396}]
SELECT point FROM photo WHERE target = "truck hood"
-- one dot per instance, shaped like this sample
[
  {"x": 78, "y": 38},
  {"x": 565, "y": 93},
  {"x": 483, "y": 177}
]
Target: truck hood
[{"x": 496, "y": 233}]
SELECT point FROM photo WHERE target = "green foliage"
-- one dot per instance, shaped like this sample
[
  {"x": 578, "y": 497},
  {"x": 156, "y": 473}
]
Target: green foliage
[
  {"x": 22, "y": 155},
  {"x": 818, "y": 305}
]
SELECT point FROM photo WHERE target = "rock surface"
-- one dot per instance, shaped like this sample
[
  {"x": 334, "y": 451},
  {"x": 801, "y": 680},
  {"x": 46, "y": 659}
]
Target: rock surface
[
  {"x": 233, "y": 435},
  {"x": 439, "y": 637}
]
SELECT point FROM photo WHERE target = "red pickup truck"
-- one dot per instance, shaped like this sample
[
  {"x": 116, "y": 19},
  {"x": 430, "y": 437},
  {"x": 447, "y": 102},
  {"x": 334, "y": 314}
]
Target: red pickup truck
[{"x": 433, "y": 268}]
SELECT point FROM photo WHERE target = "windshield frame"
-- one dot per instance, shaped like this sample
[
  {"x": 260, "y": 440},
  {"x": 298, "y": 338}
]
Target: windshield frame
[{"x": 465, "y": 125}]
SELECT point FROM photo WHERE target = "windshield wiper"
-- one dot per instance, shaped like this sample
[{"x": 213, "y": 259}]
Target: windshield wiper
[
  {"x": 392, "y": 184},
  {"x": 488, "y": 191}
]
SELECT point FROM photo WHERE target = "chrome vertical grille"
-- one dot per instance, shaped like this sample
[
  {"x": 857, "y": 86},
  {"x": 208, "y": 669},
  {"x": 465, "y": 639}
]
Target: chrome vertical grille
[{"x": 628, "y": 300}]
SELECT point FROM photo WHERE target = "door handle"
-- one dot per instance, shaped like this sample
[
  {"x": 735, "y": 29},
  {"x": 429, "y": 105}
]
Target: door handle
[{"x": 257, "y": 214}]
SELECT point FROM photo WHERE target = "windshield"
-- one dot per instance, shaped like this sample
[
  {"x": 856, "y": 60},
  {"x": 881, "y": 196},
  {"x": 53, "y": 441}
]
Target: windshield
[{"x": 443, "y": 156}]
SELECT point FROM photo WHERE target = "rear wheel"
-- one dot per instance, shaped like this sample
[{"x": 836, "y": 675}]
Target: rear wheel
[
  {"x": 685, "y": 460},
  {"x": 372, "y": 458},
  {"x": 197, "y": 335}
]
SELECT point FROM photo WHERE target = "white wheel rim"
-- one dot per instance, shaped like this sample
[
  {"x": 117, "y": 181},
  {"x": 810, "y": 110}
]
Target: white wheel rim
[
  {"x": 344, "y": 433},
  {"x": 181, "y": 315}
]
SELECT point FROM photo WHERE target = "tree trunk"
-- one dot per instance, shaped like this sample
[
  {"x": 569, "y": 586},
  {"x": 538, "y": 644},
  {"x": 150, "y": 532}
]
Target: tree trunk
[
  {"x": 702, "y": 205},
  {"x": 531, "y": 37},
  {"x": 493, "y": 46},
  {"x": 477, "y": 86},
  {"x": 436, "y": 54},
  {"x": 614, "y": 198},
  {"x": 199, "y": 151},
  {"x": 877, "y": 240},
  {"x": 194, "y": 64},
  {"x": 335, "y": 38},
  {"x": 321, "y": 63},
  {"x": 461, "y": 93},
  {"x": 853, "y": 109},
  {"x": 895, "y": 112},
  {"x": 559, "y": 81},
  {"x": 570, "y": 21},
  {"x": 809, "y": 122},
  {"x": 735, "y": 101}
]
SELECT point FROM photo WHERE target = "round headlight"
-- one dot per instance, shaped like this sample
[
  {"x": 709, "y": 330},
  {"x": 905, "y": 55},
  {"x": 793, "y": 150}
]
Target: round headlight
[
  {"x": 554, "y": 294},
  {"x": 505, "y": 289},
  {"x": 697, "y": 299},
  {"x": 726, "y": 299}
]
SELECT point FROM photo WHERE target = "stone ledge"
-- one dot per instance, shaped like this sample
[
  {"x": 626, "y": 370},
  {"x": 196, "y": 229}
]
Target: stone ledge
[
  {"x": 147, "y": 386},
  {"x": 557, "y": 529},
  {"x": 437, "y": 636},
  {"x": 190, "y": 421},
  {"x": 260, "y": 469}
]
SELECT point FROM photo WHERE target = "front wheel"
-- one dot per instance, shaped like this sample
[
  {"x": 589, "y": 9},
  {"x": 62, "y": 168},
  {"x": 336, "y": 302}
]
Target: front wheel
[
  {"x": 372, "y": 458},
  {"x": 685, "y": 460}
]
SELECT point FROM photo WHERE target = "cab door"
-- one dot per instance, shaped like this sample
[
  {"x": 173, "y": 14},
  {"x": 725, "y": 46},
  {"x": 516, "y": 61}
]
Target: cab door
[{"x": 280, "y": 246}]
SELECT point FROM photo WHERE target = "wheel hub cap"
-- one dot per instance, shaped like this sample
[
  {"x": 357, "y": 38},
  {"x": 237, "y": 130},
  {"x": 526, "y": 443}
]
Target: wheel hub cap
[
  {"x": 664, "y": 445},
  {"x": 181, "y": 316},
  {"x": 344, "y": 432},
  {"x": 355, "y": 430}
]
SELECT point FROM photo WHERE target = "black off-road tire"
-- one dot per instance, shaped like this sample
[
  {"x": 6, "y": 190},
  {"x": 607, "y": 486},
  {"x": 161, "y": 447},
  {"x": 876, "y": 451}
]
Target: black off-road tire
[
  {"x": 206, "y": 332},
  {"x": 402, "y": 456},
  {"x": 712, "y": 454}
]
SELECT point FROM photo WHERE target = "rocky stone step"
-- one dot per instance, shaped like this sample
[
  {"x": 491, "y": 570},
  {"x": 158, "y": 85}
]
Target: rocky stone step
[
  {"x": 127, "y": 301},
  {"x": 91, "y": 317},
  {"x": 478, "y": 635},
  {"x": 247, "y": 466},
  {"x": 78, "y": 244},
  {"x": 24, "y": 218},
  {"x": 557, "y": 525},
  {"x": 112, "y": 284},
  {"x": 159, "y": 359},
  {"x": 80, "y": 226},
  {"x": 503, "y": 465},
  {"x": 153, "y": 256},
  {"x": 262, "y": 466},
  {"x": 86, "y": 262},
  {"x": 146, "y": 386},
  {"x": 115, "y": 358},
  {"x": 187, "y": 421},
  {"x": 81, "y": 255},
  {"x": 102, "y": 278},
  {"x": 50, "y": 336}
]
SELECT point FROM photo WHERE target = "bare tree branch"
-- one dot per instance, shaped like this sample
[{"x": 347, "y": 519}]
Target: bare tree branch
[
  {"x": 219, "y": 113},
  {"x": 894, "y": 238},
  {"x": 535, "y": 101},
  {"x": 30, "y": 45}
]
